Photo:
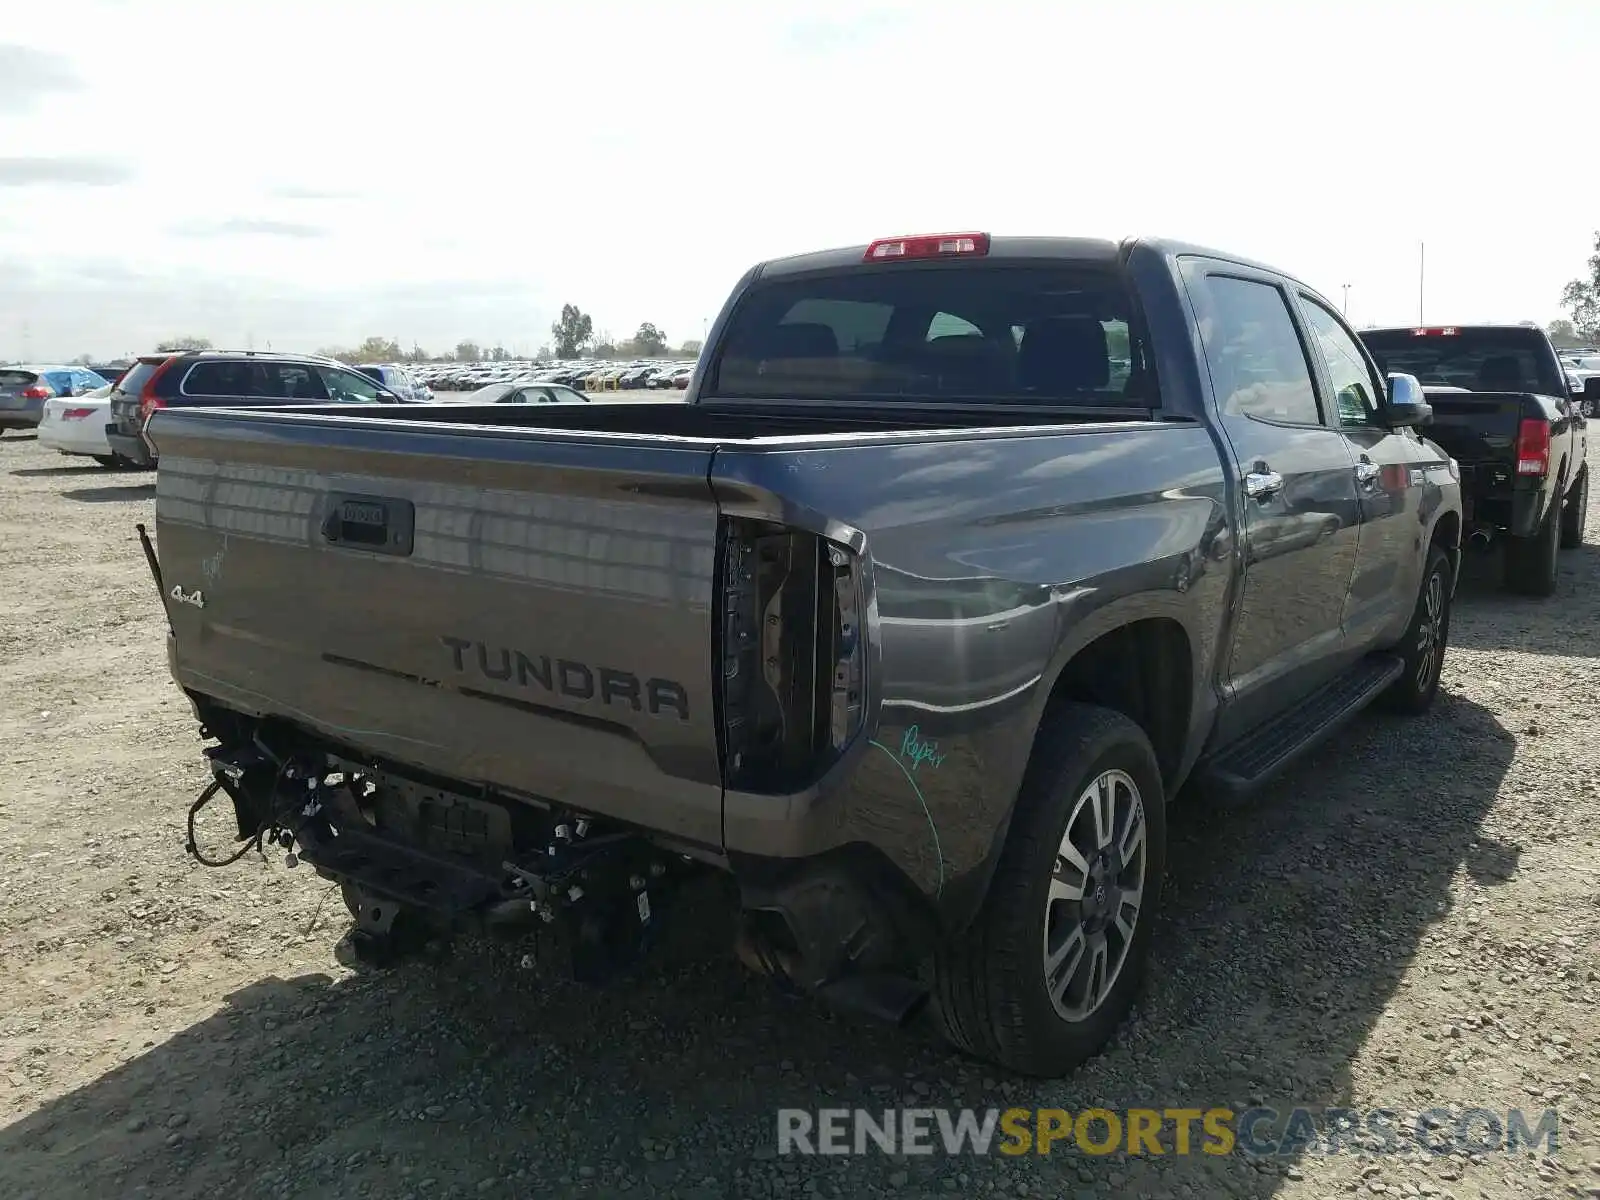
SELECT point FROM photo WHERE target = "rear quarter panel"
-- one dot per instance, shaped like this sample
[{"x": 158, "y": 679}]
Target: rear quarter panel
[{"x": 1035, "y": 543}]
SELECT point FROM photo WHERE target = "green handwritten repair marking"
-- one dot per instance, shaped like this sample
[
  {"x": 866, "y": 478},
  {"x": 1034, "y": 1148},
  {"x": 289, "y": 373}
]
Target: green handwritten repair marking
[
  {"x": 916, "y": 751},
  {"x": 938, "y": 851}
]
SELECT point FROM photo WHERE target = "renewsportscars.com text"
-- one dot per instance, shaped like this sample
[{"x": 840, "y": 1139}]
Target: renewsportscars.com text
[{"x": 1254, "y": 1132}]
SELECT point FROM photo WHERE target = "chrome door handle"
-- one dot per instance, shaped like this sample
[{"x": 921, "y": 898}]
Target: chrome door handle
[
  {"x": 1367, "y": 473},
  {"x": 1262, "y": 482}
]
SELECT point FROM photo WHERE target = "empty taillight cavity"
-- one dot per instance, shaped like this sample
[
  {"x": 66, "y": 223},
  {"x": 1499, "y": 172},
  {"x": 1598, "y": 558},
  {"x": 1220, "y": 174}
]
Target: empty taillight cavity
[{"x": 793, "y": 659}]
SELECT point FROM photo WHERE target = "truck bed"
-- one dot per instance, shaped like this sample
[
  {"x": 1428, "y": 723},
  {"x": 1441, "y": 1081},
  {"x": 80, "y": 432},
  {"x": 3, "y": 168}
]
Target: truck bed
[
  {"x": 673, "y": 418},
  {"x": 528, "y": 607}
]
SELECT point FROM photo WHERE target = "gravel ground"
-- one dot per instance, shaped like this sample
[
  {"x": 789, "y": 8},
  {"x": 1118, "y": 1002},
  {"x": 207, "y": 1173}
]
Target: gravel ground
[{"x": 1407, "y": 921}]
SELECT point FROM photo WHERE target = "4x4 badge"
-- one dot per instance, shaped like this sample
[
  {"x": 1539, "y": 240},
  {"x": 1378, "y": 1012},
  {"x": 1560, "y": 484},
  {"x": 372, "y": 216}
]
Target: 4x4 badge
[{"x": 196, "y": 597}]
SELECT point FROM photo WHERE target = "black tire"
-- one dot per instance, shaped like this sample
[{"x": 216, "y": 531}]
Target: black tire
[
  {"x": 110, "y": 462},
  {"x": 1531, "y": 563},
  {"x": 1575, "y": 512},
  {"x": 1426, "y": 639},
  {"x": 990, "y": 980}
]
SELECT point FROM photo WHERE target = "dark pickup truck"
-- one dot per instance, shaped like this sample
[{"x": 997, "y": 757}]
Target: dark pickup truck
[
  {"x": 1504, "y": 408},
  {"x": 959, "y": 558}
]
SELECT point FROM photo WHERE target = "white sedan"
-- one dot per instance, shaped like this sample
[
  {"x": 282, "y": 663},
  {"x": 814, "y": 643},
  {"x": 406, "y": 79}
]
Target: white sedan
[{"x": 77, "y": 425}]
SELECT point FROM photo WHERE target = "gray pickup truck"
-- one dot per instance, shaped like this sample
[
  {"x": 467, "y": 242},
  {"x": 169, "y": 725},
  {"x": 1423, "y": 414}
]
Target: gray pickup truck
[{"x": 959, "y": 558}]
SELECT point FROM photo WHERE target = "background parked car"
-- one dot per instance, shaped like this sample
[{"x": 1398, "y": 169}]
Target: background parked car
[
  {"x": 526, "y": 393},
  {"x": 398, "y": 380},
  {"x": 232, "y": 379},
  {"x": 25, "y": 388},
  {"x": 110, "y": 371},
  {"x": 76, "y": 425}
]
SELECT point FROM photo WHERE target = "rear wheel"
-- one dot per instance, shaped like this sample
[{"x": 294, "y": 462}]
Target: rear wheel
[
  {"x": 1426, "y": 639},
  {"x": 111, "y": 462},
  {"x": 1531, "y": 562},
  {"x": 1051, "y": 964},
  {"x": 1575, "y": 512}
]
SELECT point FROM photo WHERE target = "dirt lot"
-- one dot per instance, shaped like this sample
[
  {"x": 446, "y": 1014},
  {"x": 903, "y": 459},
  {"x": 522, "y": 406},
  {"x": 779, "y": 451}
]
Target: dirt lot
[{"x": 1408, "y": 921}]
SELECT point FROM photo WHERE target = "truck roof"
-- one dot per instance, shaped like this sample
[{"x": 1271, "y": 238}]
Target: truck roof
[
  {"x": 1070, "y": 249},
  {"x": 1477, "y": 327}
]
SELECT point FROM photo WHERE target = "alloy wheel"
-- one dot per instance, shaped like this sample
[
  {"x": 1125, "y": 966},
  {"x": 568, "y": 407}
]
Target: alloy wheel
[{"x": 1096, "y": 891}]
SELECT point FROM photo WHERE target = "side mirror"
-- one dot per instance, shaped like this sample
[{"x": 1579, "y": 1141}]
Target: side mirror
[{"x": 1406, "y": 407}]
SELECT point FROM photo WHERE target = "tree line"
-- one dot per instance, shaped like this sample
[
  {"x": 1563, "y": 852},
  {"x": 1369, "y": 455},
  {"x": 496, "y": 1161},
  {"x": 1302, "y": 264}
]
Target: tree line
[{"x": 1581, "y": 299}]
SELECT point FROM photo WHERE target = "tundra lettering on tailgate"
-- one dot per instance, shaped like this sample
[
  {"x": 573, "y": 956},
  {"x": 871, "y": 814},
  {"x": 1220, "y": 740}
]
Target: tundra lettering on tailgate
[{"x": 565, "y": 677}]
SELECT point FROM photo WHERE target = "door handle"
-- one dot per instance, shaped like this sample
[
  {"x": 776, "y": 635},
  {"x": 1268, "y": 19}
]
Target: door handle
[
  {"x": 1262, "y": 482},
  {"x": 1367, "y": 472}
]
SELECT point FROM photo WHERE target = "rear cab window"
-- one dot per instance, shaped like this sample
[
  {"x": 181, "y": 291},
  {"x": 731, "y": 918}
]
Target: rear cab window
[
  {"x": 1509, "y": 359},
  {"x": 992, "y": 331}
]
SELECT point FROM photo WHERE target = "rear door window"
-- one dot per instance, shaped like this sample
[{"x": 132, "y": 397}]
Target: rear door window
[
  {"x": 1258, "y": 365},
  {"x": 1002, "y": 333},
  {"x": 213, "y": 377},
  {"x": 292, "y": 381}
]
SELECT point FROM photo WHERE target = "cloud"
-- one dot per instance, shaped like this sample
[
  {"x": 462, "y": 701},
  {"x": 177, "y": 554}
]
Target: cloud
[
  {"x": 310, "y": 193},
  {"x": 27, "y": 75},
  {"x": 80, "y": 170},
  {"x": 107, "y": 307},
  {"x": 249, "y": 227}
]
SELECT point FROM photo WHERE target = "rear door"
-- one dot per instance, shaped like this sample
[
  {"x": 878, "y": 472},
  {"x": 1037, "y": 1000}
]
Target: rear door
[
  {"x": 1391, "y": 478},
  {"x": 1300, "y": 514}
]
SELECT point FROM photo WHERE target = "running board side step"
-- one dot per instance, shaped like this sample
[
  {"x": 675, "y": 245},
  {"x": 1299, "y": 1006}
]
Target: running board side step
[{"x": 1268, "y": 749}]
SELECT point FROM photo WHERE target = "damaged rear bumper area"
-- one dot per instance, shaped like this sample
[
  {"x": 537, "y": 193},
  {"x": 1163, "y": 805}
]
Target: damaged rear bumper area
[{"x": 415, "y": 857}]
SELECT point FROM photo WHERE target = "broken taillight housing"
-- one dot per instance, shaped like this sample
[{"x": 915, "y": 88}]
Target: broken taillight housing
[
  {"x": 847, "y": 692},
  {"x": 792, "y": 678}
]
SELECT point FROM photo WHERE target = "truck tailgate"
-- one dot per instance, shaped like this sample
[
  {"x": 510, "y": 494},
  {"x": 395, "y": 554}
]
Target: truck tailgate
[
  {"x": 527, "y": 609},
  {"x": 1475, "y": 427}
]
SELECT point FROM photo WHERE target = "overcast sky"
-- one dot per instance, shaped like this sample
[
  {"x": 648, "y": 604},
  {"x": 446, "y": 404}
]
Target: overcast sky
[{"x": 306, "y": 174}]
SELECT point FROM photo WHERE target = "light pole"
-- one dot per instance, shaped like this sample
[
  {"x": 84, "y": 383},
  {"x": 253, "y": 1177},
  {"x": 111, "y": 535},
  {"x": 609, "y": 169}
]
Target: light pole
[
  {"x": 1422, "y": 274},
  {"x": 1344, "y": 306}
]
